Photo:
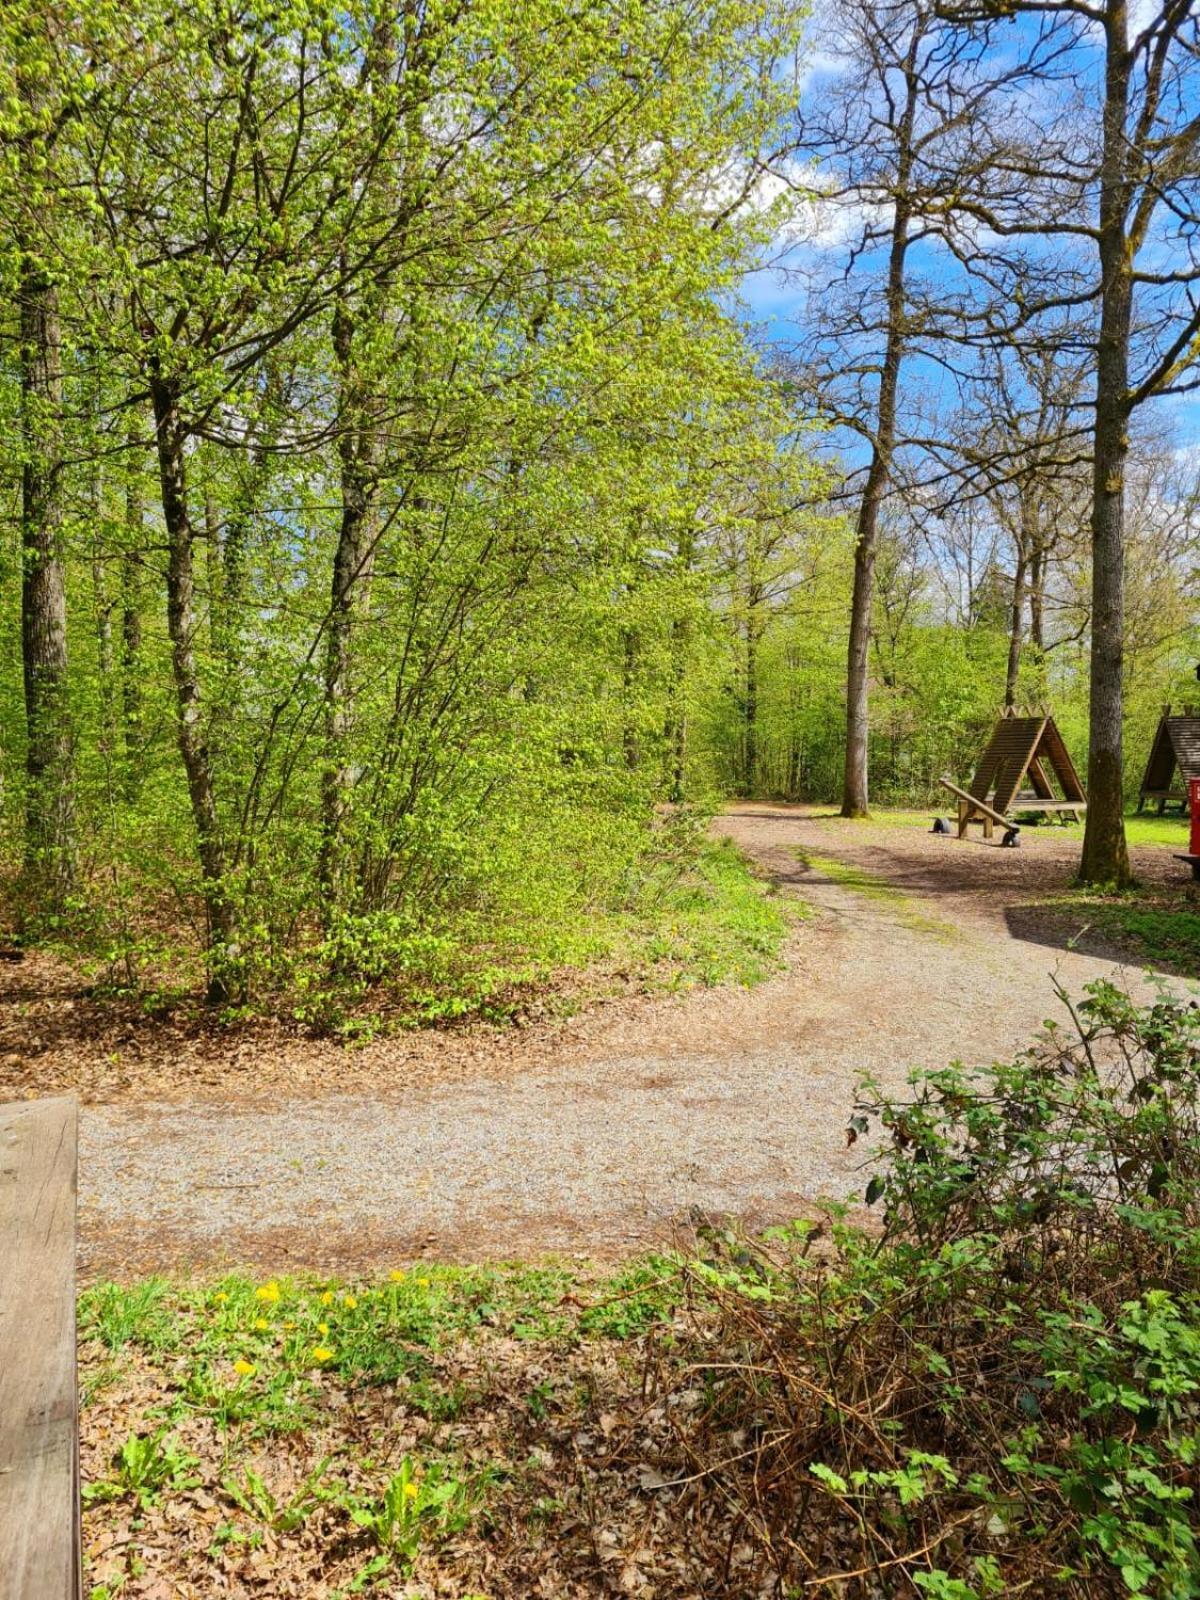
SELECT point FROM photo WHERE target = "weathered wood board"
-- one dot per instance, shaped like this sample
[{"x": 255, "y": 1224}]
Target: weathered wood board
[{"x": 39, "y": 1429}]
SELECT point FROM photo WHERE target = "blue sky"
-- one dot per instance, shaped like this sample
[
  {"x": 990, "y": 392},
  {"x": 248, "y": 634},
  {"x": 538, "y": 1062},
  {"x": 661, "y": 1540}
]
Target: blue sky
[{"x": 776, "y": 307}]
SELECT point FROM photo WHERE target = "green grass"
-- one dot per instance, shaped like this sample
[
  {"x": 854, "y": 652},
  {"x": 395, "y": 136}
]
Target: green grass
[
  {"x": 294, "y": 1332},
  {"x": 903, "y": 908},
  {"x": 1169, "y": 832},
  {"x": 1150, "y": 927},
  {"x": 717, "y": 923}
]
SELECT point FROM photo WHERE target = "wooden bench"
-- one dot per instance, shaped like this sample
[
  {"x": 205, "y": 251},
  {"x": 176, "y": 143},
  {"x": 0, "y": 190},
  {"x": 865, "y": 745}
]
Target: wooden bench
[
  {"x": 1165, "y": 798},
  {"x": 39, "y": 1413},
  {"x": 1072, "y": 809}
]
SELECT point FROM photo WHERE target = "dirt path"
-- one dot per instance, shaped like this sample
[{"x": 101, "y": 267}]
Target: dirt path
[{"x": 730, "y": 1100}]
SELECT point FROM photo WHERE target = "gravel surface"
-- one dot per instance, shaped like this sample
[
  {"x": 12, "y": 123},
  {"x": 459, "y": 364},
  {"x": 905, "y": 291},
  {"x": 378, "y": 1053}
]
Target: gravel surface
[{"x": 730, "y": 1100}]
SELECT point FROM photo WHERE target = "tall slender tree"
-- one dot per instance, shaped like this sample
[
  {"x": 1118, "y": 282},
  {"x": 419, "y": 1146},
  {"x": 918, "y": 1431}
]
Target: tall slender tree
[
  {"x": 899, "y": 131},
  {"x": 49, "y": 799},
  {"x": 1103, "y": 187}
]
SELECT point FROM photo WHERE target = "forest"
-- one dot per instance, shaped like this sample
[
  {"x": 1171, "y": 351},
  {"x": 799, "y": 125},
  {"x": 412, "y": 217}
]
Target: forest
[
  {"x": 406, "y": 489},
  {"x": 515, "y": 519}
]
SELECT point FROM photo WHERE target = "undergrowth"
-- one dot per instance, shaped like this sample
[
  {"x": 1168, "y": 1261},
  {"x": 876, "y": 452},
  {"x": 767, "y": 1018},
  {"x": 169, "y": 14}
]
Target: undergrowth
[
  {"x": 667, "y": 908},
  {"x": 344, "y": 1432},
  {"x": 994, "y": 1390},
  {"x": 999, "y": 1392},
  {"x": 715, "y": 922},
  {"x": 687, "y": 910}
]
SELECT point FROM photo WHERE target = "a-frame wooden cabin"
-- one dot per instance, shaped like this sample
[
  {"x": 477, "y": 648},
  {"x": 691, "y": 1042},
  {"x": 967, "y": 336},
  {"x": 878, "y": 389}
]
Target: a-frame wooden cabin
[
  {"x": 1175, "y": 751},
  {"x": 1022, "y": 748}
]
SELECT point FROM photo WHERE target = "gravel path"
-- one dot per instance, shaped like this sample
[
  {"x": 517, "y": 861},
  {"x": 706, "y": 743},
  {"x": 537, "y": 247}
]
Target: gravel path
[{"x": 733, "y": 1101}]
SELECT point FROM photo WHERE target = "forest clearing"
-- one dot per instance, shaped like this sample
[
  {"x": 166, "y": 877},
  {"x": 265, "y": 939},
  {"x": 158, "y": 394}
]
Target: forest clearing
[
  {"x": 595, "y": 1135},
  {"x": 600, "y": 799},
  {"x": 633, "y": 1132}
]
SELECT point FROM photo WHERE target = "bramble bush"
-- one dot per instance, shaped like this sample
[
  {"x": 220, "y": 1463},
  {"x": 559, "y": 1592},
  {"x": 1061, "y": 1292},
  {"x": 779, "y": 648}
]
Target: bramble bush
[{"x": 998, "y": 1391}]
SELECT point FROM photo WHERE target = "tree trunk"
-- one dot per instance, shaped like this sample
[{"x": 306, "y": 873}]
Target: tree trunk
[
  {"x": 750, "y": 769},
  {"x": 1016, "y": 630},
  {"x": 49, "y": 759},
  {"x": 630, "y": 652},
  {"x": 181, "y": 626},
  {"x": 357, "y": 444},
  {"x": 104, "y": 604},
  {"x": 675, "y": 730},
  {"x": 230, "y": 545},
  {"x": 214, "y": 574},
  {"x": 131, "y": 620},
  {"x": 676, "y": 727},
  {"x": 794, "y": 769},
  {"x": 1105, "y": 856},
  {"x": 1037, "y": 598},
  {"x": 855, "y": 788}
]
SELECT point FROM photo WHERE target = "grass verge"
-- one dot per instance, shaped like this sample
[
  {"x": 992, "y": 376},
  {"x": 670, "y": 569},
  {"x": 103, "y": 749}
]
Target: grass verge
[
  {"x": 716, "y": 923},
  {"x": 1167, "y": 832},
  {"x": 1148, "y": 925},
  {"x": 900, "y": 906}
]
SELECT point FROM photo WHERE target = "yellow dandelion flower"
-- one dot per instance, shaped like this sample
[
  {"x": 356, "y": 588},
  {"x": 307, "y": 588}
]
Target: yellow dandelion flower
[
  {"x": 289, "y": 1325},
  {"x": 423, "y": 1283},
  {"x": 322, "y": 1328},
  {"x": 327, "y": 1298},
  {"x": 349, "y": 1300},
  {"x": 220, "y": 1297},
  {"x": 411, "y": 1491},
  {"x": 268, "y": 1292},
  {"x": 398, "y": 1276},
  {"x": 243, "y": 1368},
  {"x": 321, "y": 1353},
  {"x": 261, "y": 1325}
]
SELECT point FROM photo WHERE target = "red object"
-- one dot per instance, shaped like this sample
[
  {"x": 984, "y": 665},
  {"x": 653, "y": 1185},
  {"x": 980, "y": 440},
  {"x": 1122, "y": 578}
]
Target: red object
[{"x": 1194, "y": 803}]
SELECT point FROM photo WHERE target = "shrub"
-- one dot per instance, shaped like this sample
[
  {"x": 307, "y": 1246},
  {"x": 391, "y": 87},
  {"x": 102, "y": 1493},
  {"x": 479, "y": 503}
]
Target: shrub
[{"x": 998, "y": 1392}]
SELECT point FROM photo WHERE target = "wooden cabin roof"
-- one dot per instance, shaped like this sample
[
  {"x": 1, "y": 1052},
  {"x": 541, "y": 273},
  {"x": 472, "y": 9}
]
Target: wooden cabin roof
[
  {"x": 1022, "y": 746},
  {"x": 1176, "y": 745}
]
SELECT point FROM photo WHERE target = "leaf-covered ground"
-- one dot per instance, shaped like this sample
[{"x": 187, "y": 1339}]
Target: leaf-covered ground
[
  {"x": 423, "y": 1434},
  {"x": 65, "y": 1027}
]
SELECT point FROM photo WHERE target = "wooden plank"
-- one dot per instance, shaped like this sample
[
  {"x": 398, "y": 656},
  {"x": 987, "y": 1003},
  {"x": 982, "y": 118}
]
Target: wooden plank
[
  {"x": 1042, "y": 786},
  {"x": 1160, "y": 763},
  {"x": 1054, "y": 746},
  {"x": 1033, "y": 802},
  {"x": 1185, "y": 738},
  {"x": 39, "y": 1425},
  {"x": 1011, "y": 741},
  {"x": 1009, "y": 781},
  {"x": 970, "y": 803}
]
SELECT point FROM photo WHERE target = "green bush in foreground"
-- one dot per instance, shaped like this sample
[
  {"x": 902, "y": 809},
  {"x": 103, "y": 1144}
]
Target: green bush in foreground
[
  {"x": 1000, "y": 1394},
  {"x": 658, "y": 899}
]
